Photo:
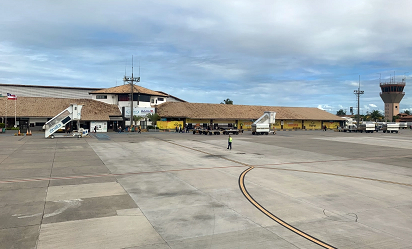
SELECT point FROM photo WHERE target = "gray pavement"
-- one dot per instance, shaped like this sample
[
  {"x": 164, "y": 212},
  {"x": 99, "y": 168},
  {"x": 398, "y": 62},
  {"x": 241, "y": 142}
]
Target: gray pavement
[{"x": 168, "y": 190}]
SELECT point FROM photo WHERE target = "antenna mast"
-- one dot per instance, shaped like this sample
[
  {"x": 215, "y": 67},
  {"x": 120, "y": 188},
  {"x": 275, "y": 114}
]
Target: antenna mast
[
  {"x": 358, "y": 93},
  {"x": 130, "y": 80}
]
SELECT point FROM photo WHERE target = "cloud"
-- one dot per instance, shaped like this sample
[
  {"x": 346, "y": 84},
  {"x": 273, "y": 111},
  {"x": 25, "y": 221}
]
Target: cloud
[
  {"x": 291, "y": 53},
  {"x": 373, "y": 105},
  {"x": 325, "y": 107}
]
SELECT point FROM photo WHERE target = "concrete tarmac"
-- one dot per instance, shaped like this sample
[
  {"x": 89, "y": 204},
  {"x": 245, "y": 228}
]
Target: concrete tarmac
[{"x": 299, "y": 189}]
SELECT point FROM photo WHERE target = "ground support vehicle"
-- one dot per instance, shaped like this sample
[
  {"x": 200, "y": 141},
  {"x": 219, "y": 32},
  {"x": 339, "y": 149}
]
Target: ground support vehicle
[
  {"x": 367, "y": 127},
  {"x": 403, "y": 125},
  {"x": 71, "y": 113},
  {"x": 232, "y": 131},
  {"x": 217, "y": 132},
  {"x": 390, "y": 128},
  {"x": 348, "y": 128},
  {"x": 197, "y": 131},
  {"x": 263, "y": 124},
  {"x": 212, "y": 132},
  {"x": 206, "y": 132}
]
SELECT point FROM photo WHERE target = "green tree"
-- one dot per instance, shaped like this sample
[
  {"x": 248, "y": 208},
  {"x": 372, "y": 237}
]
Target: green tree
[
  {"x": 341, "y": 112},
  {"x": 395, "y": 118},
  {"x": 154, "y": 117},
  {"x": 227, "y": 102},
  {"x": 361, "y": 117},
  {"x": 407, "y": 112},
  {"x": 376, "y": 115},
  {"x": 137, "y": 119}
]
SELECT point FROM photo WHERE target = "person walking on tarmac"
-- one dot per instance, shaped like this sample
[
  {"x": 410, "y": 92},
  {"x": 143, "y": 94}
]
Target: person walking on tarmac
[{"x": 229, "y": 143}]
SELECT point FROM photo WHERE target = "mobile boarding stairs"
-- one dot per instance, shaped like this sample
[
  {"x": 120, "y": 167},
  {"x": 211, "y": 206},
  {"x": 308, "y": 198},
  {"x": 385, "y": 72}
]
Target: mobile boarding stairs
[
  {"x": 71, "y": 113},
  {"x": 262, "y": 126}
]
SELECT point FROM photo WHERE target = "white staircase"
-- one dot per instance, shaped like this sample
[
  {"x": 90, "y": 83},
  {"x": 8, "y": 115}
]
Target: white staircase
[
  {"x": 71, "y": 113},
  {"x": 262, "y": 125}
]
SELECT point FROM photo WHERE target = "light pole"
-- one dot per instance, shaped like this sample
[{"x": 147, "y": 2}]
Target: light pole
[
  {"x": 358, "y": 93},
  {"x": 130, "y": 81}
]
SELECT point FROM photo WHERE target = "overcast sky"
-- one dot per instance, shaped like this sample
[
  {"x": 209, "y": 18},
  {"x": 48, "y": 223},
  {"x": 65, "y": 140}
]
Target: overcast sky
[{"x": 277, "y": 53}]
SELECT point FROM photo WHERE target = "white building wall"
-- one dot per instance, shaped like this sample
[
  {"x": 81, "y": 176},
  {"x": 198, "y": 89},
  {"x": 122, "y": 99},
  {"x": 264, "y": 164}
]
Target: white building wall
[
  {"x": 111, "y": 98},
  {"x": 37, "y": 120},
  {"x": 127, "y": 103},
  {"x": 171, "y": 99},
  {"x": 156, "y": 100}
]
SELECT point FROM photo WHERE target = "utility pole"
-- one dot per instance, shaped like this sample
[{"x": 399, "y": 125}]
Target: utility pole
[
  {"x": 130, "y": 80},
  {"x": 358, "y": 93}
]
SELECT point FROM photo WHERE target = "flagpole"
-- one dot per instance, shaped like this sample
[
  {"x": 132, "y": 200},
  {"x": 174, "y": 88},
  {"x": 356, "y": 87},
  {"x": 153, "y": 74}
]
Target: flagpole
[
  {"x": 15, "y": 108},
  {"x": 7, "y": 100}
]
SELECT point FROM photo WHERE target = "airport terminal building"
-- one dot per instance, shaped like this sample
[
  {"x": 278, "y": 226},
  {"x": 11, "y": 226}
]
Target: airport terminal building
[
  {"x": 108, "y": 108},
  {"x": 242, "y": 116}
]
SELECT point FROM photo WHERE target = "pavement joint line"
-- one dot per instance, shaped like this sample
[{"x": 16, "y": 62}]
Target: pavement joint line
[
  {"x": 260, "y": 207},
  {"x": 204, "y": 152},
  {"x": 275, "y": 218},
  {"x": 265, "y": 211},
  {"x": 47, "y": 191},
  {"x": 14, "y": 151},
  {"x": 189, "y": 169},
  {"x": 334, "y": 174},
  {"x": 109, "y": 174}
]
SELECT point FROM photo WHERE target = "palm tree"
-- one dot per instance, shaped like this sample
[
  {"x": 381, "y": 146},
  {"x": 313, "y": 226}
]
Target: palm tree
[
  {"x": 341, "y": 112},
  {"x": 227, "y": 102},
  {"x": 376, "y": 115},
  {"x": 154, "y": 117},
  {"x": 137, "y": 119}
]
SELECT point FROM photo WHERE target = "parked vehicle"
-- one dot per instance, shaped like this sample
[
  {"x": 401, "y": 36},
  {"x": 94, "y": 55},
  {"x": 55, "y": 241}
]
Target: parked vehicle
[
  {"x": 367, "y": 127},
  {"x": 390, "y": 128},
  {"x": 403, "y": 125},
  {"x": 348, "y": 128}
]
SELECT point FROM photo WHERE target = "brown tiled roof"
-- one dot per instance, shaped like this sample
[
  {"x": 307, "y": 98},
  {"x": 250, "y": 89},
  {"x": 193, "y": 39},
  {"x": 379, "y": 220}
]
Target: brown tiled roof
[
  {"x": 407, "y": 118},
  {"x": 239, "y": 112},
  {"x": 49, "y": 107},
  {"x": 127, "y": 89}
]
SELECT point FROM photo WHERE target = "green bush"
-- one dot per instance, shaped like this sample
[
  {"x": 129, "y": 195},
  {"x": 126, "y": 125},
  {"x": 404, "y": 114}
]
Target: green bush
[
  {"x": 2, "y": 125},
  {"x": 12, "y": 128}
]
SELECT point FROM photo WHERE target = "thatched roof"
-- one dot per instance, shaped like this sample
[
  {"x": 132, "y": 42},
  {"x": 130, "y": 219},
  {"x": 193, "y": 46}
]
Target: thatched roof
[
  {"x": 49, "y": 107},
  {"x": 127, "y": 89},
  {"x": 239, "y": 112}
]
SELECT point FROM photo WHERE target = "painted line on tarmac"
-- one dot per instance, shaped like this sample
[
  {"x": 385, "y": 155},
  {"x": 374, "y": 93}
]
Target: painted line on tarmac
[
  {"x": 204, "y": 152},
  {"x": 104, "y": 175},
  {"x": 334, "y": 174},
  {"x": 274, "y": 217},
  {"x": 207, "y": 168},
  {"x": 260, "y": 207},
  {"x": 304, "y": 162}
]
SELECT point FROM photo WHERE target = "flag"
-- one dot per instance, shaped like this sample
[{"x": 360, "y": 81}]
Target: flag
[{"x": 11, "y": 96}]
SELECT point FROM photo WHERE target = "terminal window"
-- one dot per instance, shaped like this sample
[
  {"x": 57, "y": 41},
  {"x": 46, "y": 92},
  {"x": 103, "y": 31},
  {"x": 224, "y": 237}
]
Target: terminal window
[{"x": 101, "y": 96}]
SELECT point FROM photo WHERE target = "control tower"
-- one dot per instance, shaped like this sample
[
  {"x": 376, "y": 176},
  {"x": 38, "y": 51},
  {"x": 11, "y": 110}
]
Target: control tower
[{"x": 392, "y": 94}]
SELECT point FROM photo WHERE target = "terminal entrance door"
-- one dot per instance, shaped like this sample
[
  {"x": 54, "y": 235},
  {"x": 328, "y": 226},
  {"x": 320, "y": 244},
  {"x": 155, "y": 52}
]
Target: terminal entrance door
[{"x": 24, "y": 124}]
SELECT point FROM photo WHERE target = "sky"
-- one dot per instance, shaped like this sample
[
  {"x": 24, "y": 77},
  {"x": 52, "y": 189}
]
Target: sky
[{"x": 273, "y": 53}]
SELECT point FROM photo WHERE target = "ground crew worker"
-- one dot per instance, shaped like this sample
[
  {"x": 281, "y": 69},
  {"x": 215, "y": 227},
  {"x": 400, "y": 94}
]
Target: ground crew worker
[{"x": 229, "y": 143}]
